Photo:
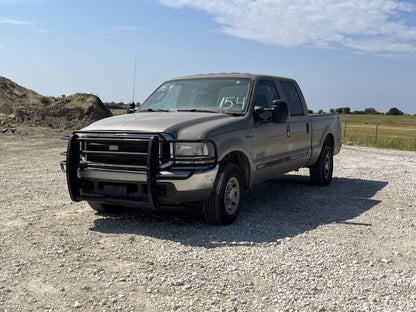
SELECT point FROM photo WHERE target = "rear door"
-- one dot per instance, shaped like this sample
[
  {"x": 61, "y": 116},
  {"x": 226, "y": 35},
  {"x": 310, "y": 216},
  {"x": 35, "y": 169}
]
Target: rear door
[{"x": 299, "y": 125}]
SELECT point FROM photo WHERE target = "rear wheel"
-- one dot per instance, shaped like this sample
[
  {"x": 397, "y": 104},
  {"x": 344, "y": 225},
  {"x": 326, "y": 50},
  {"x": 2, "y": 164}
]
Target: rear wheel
[
  {"x": 223, "y": 206},
  {"x": 321, "y": 171}
]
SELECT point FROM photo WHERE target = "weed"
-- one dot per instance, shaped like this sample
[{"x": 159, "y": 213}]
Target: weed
[{"x": 45, "y": 100}]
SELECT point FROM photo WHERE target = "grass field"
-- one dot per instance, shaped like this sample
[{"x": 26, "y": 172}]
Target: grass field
[
  {"x": 117, "y": 112},
  {"x": 398, "y": 132}
]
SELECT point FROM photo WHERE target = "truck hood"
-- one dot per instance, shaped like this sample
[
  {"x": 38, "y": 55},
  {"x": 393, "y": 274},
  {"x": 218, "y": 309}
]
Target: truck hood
[{"x": 184, "y": 125}]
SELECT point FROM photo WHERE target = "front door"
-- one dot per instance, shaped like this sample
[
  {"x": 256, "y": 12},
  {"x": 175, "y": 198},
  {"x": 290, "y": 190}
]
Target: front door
[{"x": 270, "y": 141}]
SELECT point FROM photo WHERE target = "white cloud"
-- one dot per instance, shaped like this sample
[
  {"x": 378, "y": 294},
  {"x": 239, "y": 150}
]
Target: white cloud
[
  {"x": 5, "y": 20},
  {"x": 40, "y": 30},
  {"x": 30, "y": 25},
  {"x": 373, "y": 26}
]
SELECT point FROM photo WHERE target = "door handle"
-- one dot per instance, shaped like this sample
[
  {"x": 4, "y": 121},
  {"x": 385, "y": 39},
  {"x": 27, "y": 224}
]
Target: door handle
[
  {"x": 288, "y": 130},
  {"x": 249, "y": 134}
]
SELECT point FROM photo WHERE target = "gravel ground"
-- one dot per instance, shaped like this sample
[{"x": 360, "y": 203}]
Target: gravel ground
[{"x": 346, "y": 247}]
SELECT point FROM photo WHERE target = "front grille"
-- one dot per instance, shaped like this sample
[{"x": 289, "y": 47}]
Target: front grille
[{"x": 117, "y": 151}]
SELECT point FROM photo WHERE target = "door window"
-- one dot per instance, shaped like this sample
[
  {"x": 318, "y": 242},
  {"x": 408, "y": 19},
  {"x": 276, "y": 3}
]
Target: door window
[{"x": 266, "y": 93}]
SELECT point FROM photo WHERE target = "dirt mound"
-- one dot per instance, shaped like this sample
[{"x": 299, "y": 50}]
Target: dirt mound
[{"x": 19, "y": 105}]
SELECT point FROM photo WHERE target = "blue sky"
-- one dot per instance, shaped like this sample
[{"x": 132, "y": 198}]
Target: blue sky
[{"x": 353, "y": 53}]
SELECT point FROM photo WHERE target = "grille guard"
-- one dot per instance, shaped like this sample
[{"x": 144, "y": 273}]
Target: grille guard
[{"x": 154, "y": 163}]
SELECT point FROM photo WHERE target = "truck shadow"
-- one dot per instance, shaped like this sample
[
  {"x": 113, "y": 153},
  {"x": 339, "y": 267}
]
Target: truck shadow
[{"x": 274, "y": 210}]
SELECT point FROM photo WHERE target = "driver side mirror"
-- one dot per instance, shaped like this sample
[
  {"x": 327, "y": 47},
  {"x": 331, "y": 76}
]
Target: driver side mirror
[
  {"x": 280, "y": 111},
  {"x": 131, "y": 108}
]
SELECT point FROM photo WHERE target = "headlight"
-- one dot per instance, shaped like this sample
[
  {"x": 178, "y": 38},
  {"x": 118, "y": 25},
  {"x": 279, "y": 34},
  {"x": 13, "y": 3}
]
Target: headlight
[
  {"x": 191, "y": 149},
  {"x": 194, "y": 153}
]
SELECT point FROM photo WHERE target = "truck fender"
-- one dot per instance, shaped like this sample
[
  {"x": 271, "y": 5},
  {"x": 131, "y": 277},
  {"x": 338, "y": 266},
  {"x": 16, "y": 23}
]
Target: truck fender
[
  {"x": 237, "y": 151},
  {"x": 326, "y": 139}
]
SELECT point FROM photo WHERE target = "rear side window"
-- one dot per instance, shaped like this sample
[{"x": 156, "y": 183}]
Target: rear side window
[{"x": 292, "y": 98}]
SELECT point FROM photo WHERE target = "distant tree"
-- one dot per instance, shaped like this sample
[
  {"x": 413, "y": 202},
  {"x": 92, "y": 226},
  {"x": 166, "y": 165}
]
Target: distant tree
[
  {"x": 343, "y": 110},
  {"x": 371, "y": 111},
  {"x": 358, "y": 112},
  {"x": 310, "y": 111},
  {"x": 321, "y": 111},
  {"x": 332, "y": 110},
  {"x": 394, "y": 111},
  {"x": 113, "y": 105}
]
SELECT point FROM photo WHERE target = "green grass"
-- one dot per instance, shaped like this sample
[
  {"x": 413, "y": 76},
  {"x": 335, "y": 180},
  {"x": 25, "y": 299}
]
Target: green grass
[
  {"x": 383, "y": 119},
  {"x": 396, "y": 132}
]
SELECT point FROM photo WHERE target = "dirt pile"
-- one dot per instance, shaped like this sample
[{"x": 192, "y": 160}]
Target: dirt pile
[{"x": 19, "y": 105}]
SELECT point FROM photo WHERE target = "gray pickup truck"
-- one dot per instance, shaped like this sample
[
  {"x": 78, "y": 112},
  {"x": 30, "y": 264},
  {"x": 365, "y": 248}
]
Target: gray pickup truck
[{"x": 201, "y": 139}]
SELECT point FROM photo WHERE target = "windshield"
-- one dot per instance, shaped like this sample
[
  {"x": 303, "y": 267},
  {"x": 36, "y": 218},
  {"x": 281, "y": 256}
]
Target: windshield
[{"x": 224, "y": 95}]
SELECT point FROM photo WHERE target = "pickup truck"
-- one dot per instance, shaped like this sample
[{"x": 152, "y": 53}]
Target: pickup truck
[{"x": 202, "y": 139}]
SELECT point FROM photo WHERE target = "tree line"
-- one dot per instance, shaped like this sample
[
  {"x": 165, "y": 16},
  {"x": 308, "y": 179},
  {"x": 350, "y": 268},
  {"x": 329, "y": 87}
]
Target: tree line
[
  {"x": 119, "y": 105},
  {"x": 367, "y": 111}
]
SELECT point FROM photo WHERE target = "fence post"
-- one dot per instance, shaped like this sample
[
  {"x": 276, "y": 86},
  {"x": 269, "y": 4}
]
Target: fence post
[
  {"x": 377, "y": 131},
  {"x": 345, "y": 130}
]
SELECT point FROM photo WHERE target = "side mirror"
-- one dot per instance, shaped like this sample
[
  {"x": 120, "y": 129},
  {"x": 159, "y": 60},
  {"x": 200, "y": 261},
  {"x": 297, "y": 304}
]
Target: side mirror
[
  {"x": 131, "y": 108},
  {"x": 258, "y": 109},
  {"x": 280, "y": 111}
]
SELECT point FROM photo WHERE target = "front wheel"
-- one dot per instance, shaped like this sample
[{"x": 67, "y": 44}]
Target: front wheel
[
  {"x": 321, "y": 171},
  {"x": 223, "y": 206}
]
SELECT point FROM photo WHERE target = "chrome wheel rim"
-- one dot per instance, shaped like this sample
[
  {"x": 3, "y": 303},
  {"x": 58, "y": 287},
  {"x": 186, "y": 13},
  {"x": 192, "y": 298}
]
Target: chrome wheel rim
[
  {"x": 327, "y": 165},
  {"x": 232, "y": 196}
]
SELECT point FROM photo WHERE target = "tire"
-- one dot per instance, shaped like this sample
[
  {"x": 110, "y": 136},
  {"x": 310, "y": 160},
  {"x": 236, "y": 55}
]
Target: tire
[
  {"x": 103, "y": 208},
  {"x": 223, "y": 206},
  {"x": 321, "y": 171}
]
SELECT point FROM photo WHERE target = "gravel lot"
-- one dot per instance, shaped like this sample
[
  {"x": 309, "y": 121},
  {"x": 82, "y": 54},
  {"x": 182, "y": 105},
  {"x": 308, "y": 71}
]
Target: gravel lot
[{"x": 294, "y": 247}]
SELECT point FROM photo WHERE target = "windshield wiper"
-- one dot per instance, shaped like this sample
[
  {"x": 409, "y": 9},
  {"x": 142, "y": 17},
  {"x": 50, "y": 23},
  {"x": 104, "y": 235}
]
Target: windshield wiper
[
  {"x": 157, "y": 110},
  {"x": 198, "y": 110},
  {"x": 235, "y": 114},
  {"x": 210, "y": 111}
]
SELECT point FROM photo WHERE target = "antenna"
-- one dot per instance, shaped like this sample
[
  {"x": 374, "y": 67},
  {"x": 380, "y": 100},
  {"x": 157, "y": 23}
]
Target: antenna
[{"x": 134, "y": 79}]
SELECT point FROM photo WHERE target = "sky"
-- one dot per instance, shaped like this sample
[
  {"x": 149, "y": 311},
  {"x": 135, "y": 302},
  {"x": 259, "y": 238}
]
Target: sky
[{"x": 343, "y": 53}]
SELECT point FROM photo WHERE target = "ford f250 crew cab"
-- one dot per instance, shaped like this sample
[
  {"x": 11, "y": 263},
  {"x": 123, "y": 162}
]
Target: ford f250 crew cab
[{"x": 203, "y": 138}]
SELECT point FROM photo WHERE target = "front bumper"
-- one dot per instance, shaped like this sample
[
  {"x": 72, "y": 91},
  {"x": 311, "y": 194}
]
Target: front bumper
[{"x": 131, "y": 188}]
